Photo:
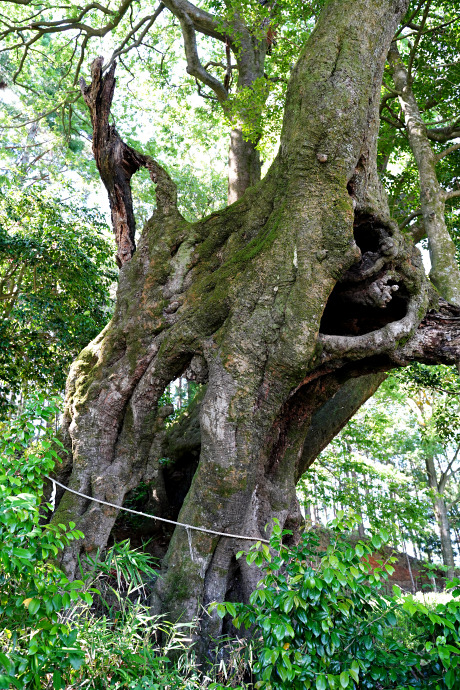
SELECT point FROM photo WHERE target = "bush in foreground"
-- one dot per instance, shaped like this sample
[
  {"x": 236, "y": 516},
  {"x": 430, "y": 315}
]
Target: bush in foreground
[{"x": 321, "y": 621}]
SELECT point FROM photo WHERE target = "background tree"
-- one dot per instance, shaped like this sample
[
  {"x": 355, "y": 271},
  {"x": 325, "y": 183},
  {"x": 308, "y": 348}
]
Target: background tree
[
  {"x": 55, "y": 275},
  {"x": 395, "y": 463}
]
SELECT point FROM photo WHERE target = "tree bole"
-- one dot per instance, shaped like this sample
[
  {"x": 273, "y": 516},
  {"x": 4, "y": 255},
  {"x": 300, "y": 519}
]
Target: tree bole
[{"x": 297, "y": 289}]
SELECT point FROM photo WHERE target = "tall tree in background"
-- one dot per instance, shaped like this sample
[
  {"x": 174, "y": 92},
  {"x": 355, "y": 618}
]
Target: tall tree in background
[
  {"x": 289, "y": 304},
  {"x": 396, "y": 462}
]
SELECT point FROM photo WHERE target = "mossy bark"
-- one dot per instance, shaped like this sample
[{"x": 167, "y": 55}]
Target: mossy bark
[{"x": 288, "y": 295}]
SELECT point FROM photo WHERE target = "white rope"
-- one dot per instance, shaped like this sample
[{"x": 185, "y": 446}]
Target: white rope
[
  {"x": 155, "y": 517},
  {"x": 189, "y": 537},
  {"x": 53, "y": 495}
]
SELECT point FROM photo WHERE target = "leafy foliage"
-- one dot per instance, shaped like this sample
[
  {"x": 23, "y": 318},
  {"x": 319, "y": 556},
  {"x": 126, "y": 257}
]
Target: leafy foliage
[
  {"x": 34, "y": 638},
  {"x": 318, "y": 613},
  {"x": 55, "y": 274},
  {"x": 323, "y": 622},
  {"x": 377, "y": 465}
]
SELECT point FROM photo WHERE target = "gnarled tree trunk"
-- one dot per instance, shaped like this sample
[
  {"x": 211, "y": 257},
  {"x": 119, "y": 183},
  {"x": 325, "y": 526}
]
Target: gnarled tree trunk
[{"x": 282, "y": 301}]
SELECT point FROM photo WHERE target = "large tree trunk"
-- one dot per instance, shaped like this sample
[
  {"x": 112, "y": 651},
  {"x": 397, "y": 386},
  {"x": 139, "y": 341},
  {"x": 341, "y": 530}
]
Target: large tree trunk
[
  {"x": 243, "y": 165},
  {"x": 279, "y": 301}
]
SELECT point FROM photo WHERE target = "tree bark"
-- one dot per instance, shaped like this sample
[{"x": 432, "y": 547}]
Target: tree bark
[
  {"x": 244, "y": 165},
  {"x": 280, "y": 301},
  {"x": 117, "y": 162}
]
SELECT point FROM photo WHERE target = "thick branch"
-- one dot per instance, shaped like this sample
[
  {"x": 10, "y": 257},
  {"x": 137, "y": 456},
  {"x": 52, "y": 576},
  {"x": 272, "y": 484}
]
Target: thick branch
[
  {"x": 117, "y": 162},
  {"x": 444, "y": 134},
  {"x": 194, "y": 65},
  {"x": 444, "y": 273},
  {"x": 451, "y": 195},
  {"x": 437, "y": 339},
  {"x": 203, "y": 21},
  {"x": 334, "y": 414},
  {"x": 410, "y": 217}
]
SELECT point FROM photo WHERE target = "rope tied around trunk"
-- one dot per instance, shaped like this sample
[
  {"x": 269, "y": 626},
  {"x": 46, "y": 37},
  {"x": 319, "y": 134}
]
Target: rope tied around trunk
[{"x": 152, "y": 517}]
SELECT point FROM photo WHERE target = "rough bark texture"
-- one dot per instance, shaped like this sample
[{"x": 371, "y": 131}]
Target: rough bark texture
[
  {"x": 282, "y": 302},
  {"x": 444, "y": 274}
]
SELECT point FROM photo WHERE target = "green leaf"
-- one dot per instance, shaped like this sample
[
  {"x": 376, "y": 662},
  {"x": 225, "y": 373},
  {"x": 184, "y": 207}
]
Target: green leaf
[
  {"x": 328, "y": 575},
  {"x": 344, "y": 679},
  {"x": 384, "y": 534},
  {"x": 391, "y": 618},
  {"x": 75, "y": 661},
  {"x": 231, "y": 609},
  {"x": 450, "y": 678},
  {"x": 279, "y": 631},
  {"x": 354, "y": 671},
  {"x": 33, "y": 606},
  {"x": 75, "y": 584},
  {"x": 221, "y": 610},
  {"x": 6, "y": 663},
  {"x": 57, "y": 681},
  {"x": 321, "y": 682},
  {"x": 22, "y": 553},
  {"x": 376, "y": 541}
]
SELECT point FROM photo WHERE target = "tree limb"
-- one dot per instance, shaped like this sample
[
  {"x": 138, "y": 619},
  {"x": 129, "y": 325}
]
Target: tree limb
[
  {"x": 410, "y": 217},
  {"x": 194, "y": 65},
  {"x": 445, "y": 475},
  {"x": 446, "y": 152},
  {"x": 117, "y": 162},
  {"x": 452, "y": 194},
  {"x": 444, "y": 134},
  {"x": 203, "y": 21}
]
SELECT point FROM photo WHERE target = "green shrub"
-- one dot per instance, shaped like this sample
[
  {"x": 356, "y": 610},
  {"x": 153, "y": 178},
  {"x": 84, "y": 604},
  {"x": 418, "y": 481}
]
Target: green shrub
[
  {"x": 35, "y": 640},
  {"x": 95, "y": 632},
  {"x": 320, "y": 614},
  {"x": 429, "y": 624},
  {"x": 319, "y": 619}
]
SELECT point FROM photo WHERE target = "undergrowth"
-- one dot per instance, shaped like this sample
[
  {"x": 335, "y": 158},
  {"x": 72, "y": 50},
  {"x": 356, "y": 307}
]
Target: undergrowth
[{"x": 318, "y": 619}]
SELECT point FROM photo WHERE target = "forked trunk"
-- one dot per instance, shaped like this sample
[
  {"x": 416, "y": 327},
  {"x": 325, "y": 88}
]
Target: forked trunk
[{"x": 281, "y": 302}]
